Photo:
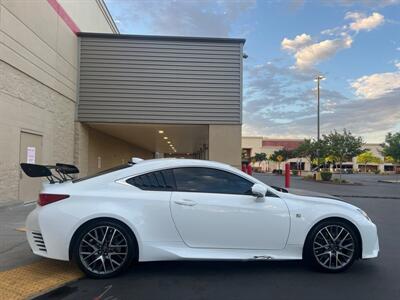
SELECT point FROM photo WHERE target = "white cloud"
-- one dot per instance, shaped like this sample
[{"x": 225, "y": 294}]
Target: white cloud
[
  {"x": 308, "y": 54},
  {"x": 311, "y": 55},
  {"x": 378, "y": 84},
  {"x": 362, "y": 22},
  {"x": 298, "y": 42}
]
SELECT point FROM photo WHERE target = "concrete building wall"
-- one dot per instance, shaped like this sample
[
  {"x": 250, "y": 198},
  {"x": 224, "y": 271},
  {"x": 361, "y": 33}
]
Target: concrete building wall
[
  {"x": 39, "y": 44},
  {"x": 252, "y": 142},
  {"x": 38, "y": 81},
  {"x": 91, "y": 16},
  {"x": 106, "y": 151},
  {"x": 27, "y": 105},
  {"x": 224, "y": 144}
]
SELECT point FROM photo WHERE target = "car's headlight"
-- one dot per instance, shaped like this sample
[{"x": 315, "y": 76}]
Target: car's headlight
[{"x": 364, "y": 214}]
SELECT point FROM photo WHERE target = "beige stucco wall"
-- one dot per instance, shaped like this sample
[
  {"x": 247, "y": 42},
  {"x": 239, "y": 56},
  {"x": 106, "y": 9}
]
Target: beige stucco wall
[
  {"x": 106, "y": 151},
  {"x": 252, "y": 142},
  {"x": 225, "y": 144}
]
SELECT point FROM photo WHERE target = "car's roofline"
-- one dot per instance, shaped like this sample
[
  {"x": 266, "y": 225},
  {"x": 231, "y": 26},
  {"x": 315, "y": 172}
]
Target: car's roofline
[{"x": 151, "y": 165}]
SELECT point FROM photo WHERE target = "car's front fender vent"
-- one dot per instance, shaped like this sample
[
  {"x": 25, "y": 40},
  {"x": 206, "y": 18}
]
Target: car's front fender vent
[{"x": 39, "y": 242}]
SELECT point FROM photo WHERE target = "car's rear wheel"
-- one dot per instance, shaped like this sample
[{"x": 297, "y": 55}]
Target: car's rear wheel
[
  {"x": 104, "y": 249},
  {"x": 332, "y": 246}
]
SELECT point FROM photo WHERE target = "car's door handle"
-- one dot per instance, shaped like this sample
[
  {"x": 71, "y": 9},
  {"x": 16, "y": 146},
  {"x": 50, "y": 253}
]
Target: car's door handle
[{"x": 185, "y": 202}]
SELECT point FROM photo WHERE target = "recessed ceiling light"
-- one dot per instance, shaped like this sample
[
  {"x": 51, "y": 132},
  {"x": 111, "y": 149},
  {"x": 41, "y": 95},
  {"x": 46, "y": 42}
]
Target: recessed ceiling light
[
  {"x": 169, "y": 142},
  {"x": 165, "y": 138},
  {"x": 161, "y": 131}
]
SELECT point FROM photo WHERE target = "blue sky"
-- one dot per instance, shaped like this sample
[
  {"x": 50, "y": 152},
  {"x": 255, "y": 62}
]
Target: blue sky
[{"x": 354, "y": 44}]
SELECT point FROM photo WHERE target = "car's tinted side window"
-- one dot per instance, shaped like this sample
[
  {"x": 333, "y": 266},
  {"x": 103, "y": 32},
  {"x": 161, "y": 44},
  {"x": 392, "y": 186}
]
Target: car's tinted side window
[
  {"x": 208, "y": 180},
  {"x": 155, "y": 181}
]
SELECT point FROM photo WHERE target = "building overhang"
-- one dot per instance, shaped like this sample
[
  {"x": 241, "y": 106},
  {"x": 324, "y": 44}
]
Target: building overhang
[{"x": 161, "y": 138}]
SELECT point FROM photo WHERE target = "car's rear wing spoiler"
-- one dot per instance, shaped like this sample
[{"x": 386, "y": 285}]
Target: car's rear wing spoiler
[{"x": 64, "y": 171}]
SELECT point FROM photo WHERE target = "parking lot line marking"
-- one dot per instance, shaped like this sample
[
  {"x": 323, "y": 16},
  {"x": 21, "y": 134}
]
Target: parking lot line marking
[
  {"x": 36, "y": 278},
  {"x": 22, "y": 229}
]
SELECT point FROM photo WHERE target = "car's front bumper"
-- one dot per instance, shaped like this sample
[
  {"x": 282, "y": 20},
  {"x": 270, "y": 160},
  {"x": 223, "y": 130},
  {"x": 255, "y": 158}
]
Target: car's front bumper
[{"x": 370, "y": 241}]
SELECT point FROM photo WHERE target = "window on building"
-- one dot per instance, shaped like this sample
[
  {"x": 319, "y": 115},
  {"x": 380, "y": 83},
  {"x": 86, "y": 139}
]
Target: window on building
[
  {"x": 388, "y": 168},
  {"x": 207, "y": 180},
  {"x": 155, "y": 181}
]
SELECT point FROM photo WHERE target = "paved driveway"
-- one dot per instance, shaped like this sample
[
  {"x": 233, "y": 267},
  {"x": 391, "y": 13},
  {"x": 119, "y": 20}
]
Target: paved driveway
[{"x": 370, "y": 279}]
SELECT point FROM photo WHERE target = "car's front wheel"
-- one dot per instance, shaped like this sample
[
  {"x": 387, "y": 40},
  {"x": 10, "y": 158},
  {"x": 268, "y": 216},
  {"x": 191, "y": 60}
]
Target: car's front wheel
[
  {"x": 332, "y": 246},
  {"x": 104, "y": 249}
]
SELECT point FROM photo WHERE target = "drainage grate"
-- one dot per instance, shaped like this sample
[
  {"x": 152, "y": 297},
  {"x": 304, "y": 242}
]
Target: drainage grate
[{"x": 38, "y": 239}]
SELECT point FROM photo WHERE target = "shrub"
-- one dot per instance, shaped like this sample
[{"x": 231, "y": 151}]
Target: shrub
[
  {"x": 295, "y": 172},
  {"x": 377, "y": 171},
  {"x": 337, "y": 180},
  {"x": 326, "y": 175}
]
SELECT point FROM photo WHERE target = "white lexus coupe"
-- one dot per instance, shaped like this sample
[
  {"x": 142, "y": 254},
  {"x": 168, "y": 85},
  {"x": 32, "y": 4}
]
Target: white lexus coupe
[{"x": 181, "y": 209}]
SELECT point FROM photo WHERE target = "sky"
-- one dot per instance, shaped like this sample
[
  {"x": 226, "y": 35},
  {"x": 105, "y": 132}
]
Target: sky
[{"x": 355, "y": 45}]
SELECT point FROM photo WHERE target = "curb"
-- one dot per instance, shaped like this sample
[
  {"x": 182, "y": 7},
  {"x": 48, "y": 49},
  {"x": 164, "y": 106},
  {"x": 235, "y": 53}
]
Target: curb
[{"x": 369, "y": 197}]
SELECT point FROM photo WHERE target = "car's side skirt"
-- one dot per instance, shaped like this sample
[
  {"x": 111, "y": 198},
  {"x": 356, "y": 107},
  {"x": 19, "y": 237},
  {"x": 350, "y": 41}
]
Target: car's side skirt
[{"x": 153, "y": 251}]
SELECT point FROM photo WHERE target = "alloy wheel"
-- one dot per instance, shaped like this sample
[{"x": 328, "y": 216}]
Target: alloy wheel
[
  {"x": 103, "y": 250},
  {"x": 333, "y": 247}
]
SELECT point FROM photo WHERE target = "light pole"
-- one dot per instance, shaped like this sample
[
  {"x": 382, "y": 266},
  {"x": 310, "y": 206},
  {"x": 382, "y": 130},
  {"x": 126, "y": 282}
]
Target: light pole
[{"x": 318, "y": 78}]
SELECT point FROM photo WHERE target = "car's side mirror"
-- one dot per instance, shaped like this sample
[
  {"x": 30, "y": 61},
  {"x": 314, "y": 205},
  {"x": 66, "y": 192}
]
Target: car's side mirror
[{"x": 258, "y": 190}]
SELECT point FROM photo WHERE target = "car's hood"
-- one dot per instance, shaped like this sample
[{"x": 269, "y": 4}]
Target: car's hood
[{"x": 317, "y": 198}]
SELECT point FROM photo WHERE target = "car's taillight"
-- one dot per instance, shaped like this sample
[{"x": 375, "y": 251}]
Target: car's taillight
[{"x": 45, "y": 199}]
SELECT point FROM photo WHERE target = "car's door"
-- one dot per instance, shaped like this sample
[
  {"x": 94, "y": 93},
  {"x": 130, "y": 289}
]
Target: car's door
[{"x": 213, "y": 208}]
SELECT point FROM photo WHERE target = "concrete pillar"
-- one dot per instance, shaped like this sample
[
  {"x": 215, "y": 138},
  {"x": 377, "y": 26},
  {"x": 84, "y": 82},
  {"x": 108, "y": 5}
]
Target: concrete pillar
[
  {"x": 225, "y": 144},
  {"x": 81, "y": 151}
]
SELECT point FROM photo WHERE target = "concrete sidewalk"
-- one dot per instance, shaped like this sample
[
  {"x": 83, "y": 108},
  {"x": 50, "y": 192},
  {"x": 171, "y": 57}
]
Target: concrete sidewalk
[{"x": 14, "y": 248}]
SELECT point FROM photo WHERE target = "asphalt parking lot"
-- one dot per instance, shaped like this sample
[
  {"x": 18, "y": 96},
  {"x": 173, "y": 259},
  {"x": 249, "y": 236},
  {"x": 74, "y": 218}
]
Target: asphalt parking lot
[{"x": 370, "y": 279}]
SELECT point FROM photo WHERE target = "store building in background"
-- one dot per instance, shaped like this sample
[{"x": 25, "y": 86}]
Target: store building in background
[
  {"x": 96, "y": 100},
  {"x": 258, "y": 144}
]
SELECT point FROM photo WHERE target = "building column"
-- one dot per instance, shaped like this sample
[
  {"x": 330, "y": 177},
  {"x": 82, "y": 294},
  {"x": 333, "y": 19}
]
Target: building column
[
  {"x": 81, "y": 151},
  {"x": 225, "y": 144}
]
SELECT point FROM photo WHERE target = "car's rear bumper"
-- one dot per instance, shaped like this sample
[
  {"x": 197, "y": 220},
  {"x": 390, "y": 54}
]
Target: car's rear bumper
[{"x": 50, "y": 243}]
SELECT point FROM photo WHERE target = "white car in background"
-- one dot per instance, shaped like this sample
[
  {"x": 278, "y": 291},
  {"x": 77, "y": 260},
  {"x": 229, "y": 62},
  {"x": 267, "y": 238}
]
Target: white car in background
[{"x": 181, "y": 209}]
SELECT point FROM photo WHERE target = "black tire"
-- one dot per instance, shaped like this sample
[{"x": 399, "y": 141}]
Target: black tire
[
  {"x": 327, "y": 258},
  {"x": 92, "y": 264}
]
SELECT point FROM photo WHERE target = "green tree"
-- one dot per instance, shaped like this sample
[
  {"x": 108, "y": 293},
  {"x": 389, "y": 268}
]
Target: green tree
[
  {"x": 391, "y": 147},
  {"x": 388, "y": 159},
  {"x": 367, "y": 157},
  {"x": 281, "y": 155},
  {"x": 260, "y": 157},
  {"x": 342, "y": 146},
  {"x": 310, "y": 149}
]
